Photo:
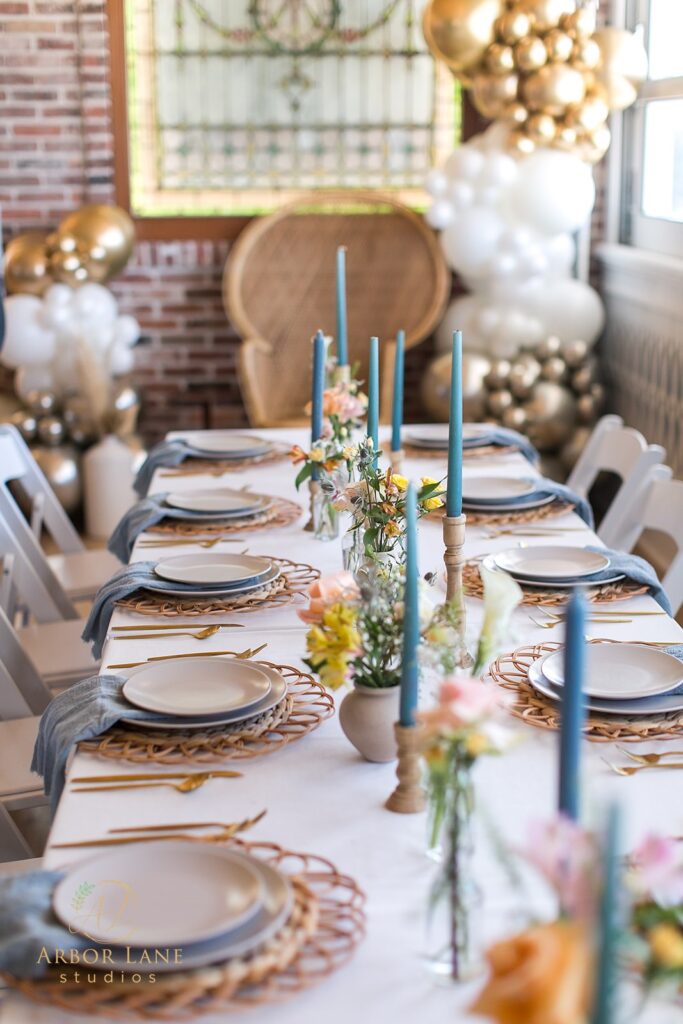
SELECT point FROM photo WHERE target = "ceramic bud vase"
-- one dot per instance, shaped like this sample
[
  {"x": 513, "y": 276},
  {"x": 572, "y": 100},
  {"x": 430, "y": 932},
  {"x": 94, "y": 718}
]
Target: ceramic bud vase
[{"x": 367, "y": 716}]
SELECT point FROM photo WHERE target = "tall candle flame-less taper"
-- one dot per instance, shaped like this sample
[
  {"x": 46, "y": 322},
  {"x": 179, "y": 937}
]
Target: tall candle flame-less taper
[
  {"x": 397, "y": 404},
  {"x": 573, "y": 712},
  {"x": 317, "y": 390},
  {"x": 342, "y": 343},
  {"x": 604, "y": 1009},
  {"x": 454, "y": 520},
  {"x": 373, "y": 395}
]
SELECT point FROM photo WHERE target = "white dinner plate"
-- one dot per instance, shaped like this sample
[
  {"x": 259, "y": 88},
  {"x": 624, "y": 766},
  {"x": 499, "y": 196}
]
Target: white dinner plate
[
  {"x": 220, "y": 589},
  {"x": 213, "y": 568},
  {"x": 496, "y": 489},
  {"x": 159, "y": 894},
  {"x": 222, "y": 500},
  {"x": 201, "y": 686},
  {"x": 223, "y": 444},
  {"x": 514, "y": 506},
  {"x": 643, "y": 706},
  {"x": 620, "y": 671},
  {"x": 551, "y": 561},
  {"x": 435, "y": 435},
  {"x": 278, "y": 688},
  {"x": 271, "y": 916},
  {"x": 561, "y": 584}
]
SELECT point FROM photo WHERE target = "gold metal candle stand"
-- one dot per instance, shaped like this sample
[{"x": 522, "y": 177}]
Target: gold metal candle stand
[
  {"x": 409, "y": 795},
  {"x": 313, "y": 490},
  {"x": 396, "y": 461}
]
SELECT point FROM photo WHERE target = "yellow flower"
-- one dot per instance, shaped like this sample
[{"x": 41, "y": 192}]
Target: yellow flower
[
  {"x": 316, "y": 454},
  {"x": 431, "y": 503},
  {"x": 349, "y": 452},
  {"x": 392, "y": 529},
  {"x": 427, "y": 480},
  {"x": 476, "y": 744},
  {"x": 666, "y": 944},
  {"x": 400, "y": 481},
  {"x": 332, "y": 643}
]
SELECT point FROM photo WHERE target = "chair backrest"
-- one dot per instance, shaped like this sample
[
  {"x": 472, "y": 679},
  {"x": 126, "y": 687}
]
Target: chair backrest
[
  {"x": 279, "y": 288},
  {"x": 17, "y": 463},
  {"x": 22, "y": 690},
  {"x": 36, "y": 585}
]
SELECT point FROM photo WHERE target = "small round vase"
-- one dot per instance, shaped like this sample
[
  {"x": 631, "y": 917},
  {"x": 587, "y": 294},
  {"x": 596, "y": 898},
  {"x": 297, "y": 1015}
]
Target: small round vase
[{"x": 367, "y": 716}]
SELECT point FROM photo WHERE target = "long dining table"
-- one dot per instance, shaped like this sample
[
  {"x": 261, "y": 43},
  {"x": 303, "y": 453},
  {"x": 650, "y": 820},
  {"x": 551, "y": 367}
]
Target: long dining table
[{"x": 322, "y": 797}]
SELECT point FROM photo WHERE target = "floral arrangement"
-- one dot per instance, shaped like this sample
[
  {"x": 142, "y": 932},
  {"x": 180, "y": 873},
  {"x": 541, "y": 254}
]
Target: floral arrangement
[
  {"x": 344, "y": 410},
  {"x": 332, "y": 461},
  {"x": 655, "y": 878},
  {"x": 377, "y": 502}
]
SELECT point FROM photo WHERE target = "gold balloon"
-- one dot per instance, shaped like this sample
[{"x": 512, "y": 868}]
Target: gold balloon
[
  {"x": 586, "y": 55},
  {"x": 592, "y": 113},
  {"x": 553, "y": 88},
  {"x": 67, "y": 268},
  {"x": 559, "y": 45},
  {"x": 520, "y": 144},
  {"x": 513, "y": 26},
  {"x": 530, "y": 54},
  {"x": 500, "y": 59},
  {"x": 499, "y": 401},
  {"x": 541, "y": 128},
  {"x": 566, "y": 138},
  {"x": 546, "y": 14},
  {"x": 491, "y": 94},
  {"x": 581, "y": 23},
  {"x": 596, "y": 144},
  {"x": 26, "y": 267},
  {"x": 516, "y": 113},
  {"x": 458, "y": 31},
  {"x": 623, "y": 66},
  {"x": 436, "y": 386},
  {"x": 551, "y": 412},
  {"x": 101, "y": 236}
]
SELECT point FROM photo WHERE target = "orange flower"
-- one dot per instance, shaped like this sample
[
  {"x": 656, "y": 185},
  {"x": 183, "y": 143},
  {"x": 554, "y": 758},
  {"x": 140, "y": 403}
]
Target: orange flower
[
  {"x": 326, "y": 591},
  {"x": 297, "y": 454},
  {"x": 541, "y": 976}
]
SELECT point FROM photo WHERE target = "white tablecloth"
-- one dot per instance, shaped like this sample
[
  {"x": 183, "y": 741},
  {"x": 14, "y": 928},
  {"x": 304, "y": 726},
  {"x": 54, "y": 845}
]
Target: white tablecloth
[{"x": 322, "y": 797}]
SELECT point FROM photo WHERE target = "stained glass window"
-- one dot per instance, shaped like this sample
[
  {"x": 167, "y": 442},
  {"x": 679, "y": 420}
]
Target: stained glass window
[{"x": 237, "y": 105}]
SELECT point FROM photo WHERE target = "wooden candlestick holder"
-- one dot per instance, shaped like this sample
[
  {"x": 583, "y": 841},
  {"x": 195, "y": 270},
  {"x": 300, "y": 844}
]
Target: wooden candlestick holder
[
  {"x": 409, "y": 796},
  {"x": 341, "y": 374},
  {"x": 396, "y": 461},
  {"x": 454, "y": 543},
  {"x": 313, "y": 491}
]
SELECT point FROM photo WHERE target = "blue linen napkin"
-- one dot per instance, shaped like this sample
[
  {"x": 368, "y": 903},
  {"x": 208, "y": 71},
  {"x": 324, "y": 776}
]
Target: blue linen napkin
[
  {"x": 126, "y": 581},
  {"x": 165, "y": 453},
  {"x": 147, "y": 512},
  {"x": 544, "y": 487},
  {"x": 676, "y": 651},
  {"x": 85, "y": 710},
  {"x": 27, "y": 924},
  {"x": 636, "y": 569},
  {"x": 503, "y": 437}
]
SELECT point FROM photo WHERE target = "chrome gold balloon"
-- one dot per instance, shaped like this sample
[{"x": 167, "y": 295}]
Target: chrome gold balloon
[
  {"x": 546, "y": 14},
  {"x": 559, "y": 45},
  {"x": 499, "y": 59},
  {"x": 458, "y": 31},
  {"x": 541, "y": 128},
  {"x": 530, "y": 54},
  {"x": 26, "y": 264},
  {"x": 491, "y": 94},
  {"x": 101, "y": 236},
  {"x": 554, "y": 88},
  {"x": 513, "y": 25}
]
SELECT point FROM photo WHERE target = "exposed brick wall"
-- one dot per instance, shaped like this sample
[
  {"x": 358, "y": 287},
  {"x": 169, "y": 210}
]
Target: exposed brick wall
[{"x": 56, "y": 150}]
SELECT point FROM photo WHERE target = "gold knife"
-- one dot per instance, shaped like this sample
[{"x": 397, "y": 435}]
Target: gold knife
[
  {"x": 173, "y": 657},
  {"x": 181, "y": 625},
  {"x": 143, "y": 776}
]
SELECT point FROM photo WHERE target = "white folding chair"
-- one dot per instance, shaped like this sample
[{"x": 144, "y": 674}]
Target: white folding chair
[
  {"x": 52, "y": 642},
  {"x": 657, "y": 505},
  {"x": 614, "y": 448},
  {"x": 80, "y": 572}
]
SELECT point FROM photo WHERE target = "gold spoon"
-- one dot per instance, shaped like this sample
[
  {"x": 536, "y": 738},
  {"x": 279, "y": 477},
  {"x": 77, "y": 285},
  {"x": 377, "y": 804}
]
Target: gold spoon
[
  {"x": 188, "y": 785},
  {"x": 650, "y": 758},
  {"x": 179, "y": 625},
  {"x": 240, "y": 655},
  {"x": 201, "y": 635}
]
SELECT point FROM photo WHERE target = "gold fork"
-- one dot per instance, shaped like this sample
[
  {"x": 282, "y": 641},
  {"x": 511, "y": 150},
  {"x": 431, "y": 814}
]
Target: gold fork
[
  {"x": 189, "y": 824},
  {"x": 240, "y": 655},
  {"x": 188, "y": 785},
  {"x": 226, "y": 832},
  {"x": 559, "y": 622},
  {"x": 600, "y": 611},
  {"x": 650, "y": 758},
  {"x": 632, "y": 769}
]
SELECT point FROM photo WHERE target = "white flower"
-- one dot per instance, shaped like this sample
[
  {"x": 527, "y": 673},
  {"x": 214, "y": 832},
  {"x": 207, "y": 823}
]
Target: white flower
[{"x": 502, "y": 594}]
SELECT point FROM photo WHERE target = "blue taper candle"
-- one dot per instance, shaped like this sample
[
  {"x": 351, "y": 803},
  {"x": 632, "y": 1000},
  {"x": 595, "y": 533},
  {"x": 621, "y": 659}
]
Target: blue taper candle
[
  {"x": 411, "y": 616},
  {"x": 317, "y": 389},
  {"x": 572, "y": 707},
  {"x": 454, "y": 491},
  {"x": 397, "y": 401},
  {"x": 604, "y": 1007},
  {"x": 373, "y": 393},
  {"x": 342, "y": 346}
]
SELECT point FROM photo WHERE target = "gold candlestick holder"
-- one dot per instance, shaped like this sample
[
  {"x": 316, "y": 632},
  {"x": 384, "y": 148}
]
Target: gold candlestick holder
[
  {"x": 396, "y": 461},
  {"x": 454, "y": 558},
  {"x": 313, "y": 491},
  {"x": 409, "y": 795}
]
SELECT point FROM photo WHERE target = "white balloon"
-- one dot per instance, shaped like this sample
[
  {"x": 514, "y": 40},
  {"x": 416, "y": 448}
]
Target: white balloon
[
  {"x": 495, "y": 138},
  {"x": 95, "y": 304},
  {"x": 121, "y": 360},
  {"x": 499, "y": 170},
  {"x": 487, "y": 320},
  {"x": 461, "y": 194},
  {"x": 533, "y": 260},
  {"x": 504, "y": 264},
  {"x": 471, "y": 240},
  {"x": 554, "y": 192},
  {"x": 466, "y": 162},
  {"x": 58, "y": 295},
  {"x": 27, "y": 342},
  {"x": 436, "y": 183},
  {"x": 569, "y": 309},
  {"x": 459, "y": 317},
  {"x": 560, "y": 251},
  {"x": 33, "y": 378},
  {"x": 488, "y": 196},
  {"x": 126, "y": 330},
  {"x": 439, "y": 215},
  {"x": 516, "y": 239}
]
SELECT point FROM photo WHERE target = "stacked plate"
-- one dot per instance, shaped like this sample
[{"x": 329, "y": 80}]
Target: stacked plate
[
  {"x": 202, "y": 693},
  {"x": 221, "y": 444},
  {"x": 554, "y": 566},
  {"x": 434, "y": 436},
  {"x": 621, "y": 679},
  {"x": 212, "y": 574},
  {"x": 208, "y": 902},
  {"x": 218, "y": 505},
  {"x": 496, "y": 494}
]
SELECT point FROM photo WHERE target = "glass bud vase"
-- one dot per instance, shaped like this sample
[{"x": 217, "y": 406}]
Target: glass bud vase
[
  {"x": 325, "y": 516},
  {"x": 352, "y": 551},
  {"x": 453, "y": 949}
]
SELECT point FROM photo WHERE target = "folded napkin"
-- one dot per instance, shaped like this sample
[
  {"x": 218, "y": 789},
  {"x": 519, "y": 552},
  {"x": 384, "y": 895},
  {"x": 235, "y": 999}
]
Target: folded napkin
[
  {"x": 636, "y": 569},
  {"x": 147, "y": 512},
  {"x": 27, "y": 924},
  {"x": 503, "y": 437},
  {"x": 166, "y": 453},
  {"x": 85, "y": 710},
  {"x": 676, "y": 651},
  {"x": 544, "y": 487},
  {"x": 126, "y": 581}
]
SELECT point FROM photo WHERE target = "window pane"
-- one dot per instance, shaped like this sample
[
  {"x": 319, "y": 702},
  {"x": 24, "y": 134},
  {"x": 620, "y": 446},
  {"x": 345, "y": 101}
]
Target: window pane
[
  {"x": 663, "y": 160},
  {"x": 665, "y": 34}
]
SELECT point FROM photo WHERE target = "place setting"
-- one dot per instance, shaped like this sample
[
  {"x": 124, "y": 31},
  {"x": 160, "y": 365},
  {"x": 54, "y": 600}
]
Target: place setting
[
  {"x": 202, "y": 583},
  {"x": 490, "y": 500},
  {"x": 213, "y": 452},
  {"x": 204, "y": 514},
  {"x": 478, "y": 439}
]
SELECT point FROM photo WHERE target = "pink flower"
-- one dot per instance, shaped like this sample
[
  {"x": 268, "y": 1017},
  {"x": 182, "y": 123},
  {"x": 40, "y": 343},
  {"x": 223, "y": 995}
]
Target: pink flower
[
  {"x": 463, "y": 702},
  {"x": 326, "y": 591},
  {"x": 566, "y": 856},
  {"x": 659, "y": 870}
]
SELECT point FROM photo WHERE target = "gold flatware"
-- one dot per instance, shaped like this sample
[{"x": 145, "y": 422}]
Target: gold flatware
[
  {"x": 632, "y": 769},
  {"x": 179, "y": 625},
  {"x": 600, "y": 611},
  {"x": 186, "y": 786},
  {"x": 247, "y": 823},
  {"x": 538, "y": 531},
  {"x": 240, "y": 655},
  {"x": 558, "y": 622},
  {"x": 196, "y": 472},
  {"x": 145, "y": 776},
  {"x": 226, "y": 832},
  {"x": 203, "y": 634},
  {"x": 208, "y": 543},
  {"x": 650, "y": 758}
]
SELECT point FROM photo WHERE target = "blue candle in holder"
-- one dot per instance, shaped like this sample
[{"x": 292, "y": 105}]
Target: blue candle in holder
[
  {"x": 342, "y": 347},
  {"x": 454, "y": 483},
  {"x": 317, "y": 389},
  {"x": 411, "y": 616},
  {"x": 572, "y": 707},
  {"x": 604, "y": 1010},
  {"x": 373, "y": 394},
  {"x": 397, "y": 401}
]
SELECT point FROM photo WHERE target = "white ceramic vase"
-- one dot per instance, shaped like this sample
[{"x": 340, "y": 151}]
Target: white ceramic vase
[{"x": 367, "y": 716}]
